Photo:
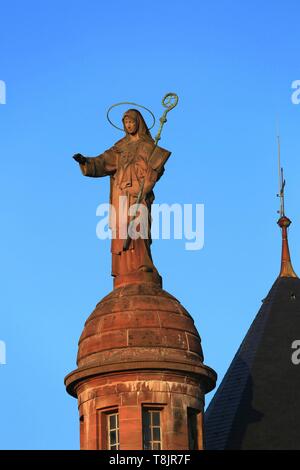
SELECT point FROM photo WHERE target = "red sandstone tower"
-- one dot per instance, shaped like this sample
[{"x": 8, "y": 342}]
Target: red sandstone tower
[{"x": 140, "y": 381}]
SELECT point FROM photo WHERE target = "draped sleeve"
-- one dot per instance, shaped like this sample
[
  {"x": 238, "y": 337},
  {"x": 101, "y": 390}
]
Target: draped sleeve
[
  {"x": 157, "y": 158},
  {"x": 102, "y": 165}
]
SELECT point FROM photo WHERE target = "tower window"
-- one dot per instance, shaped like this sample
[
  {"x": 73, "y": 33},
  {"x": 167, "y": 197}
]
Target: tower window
[
  {"x": 151, "y": 429},
  {"x": 113, "y": 437}
]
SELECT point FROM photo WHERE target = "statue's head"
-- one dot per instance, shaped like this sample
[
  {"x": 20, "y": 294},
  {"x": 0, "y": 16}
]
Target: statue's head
[{"x": 134, "y": 123}]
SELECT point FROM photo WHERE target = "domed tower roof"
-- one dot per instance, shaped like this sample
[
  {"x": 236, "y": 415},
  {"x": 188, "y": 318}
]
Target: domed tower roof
[{"x": 139, "y": 326}]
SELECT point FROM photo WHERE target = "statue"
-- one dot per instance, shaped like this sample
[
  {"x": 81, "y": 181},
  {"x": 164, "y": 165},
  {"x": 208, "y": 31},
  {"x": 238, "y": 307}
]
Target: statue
[{"x": 135, "y": 163}]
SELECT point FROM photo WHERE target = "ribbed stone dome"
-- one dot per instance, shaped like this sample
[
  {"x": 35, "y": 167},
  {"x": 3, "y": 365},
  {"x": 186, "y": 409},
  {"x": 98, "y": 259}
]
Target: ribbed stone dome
[{"x": 139, "y": 326}]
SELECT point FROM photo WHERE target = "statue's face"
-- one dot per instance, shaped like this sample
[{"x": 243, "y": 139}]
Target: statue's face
[{"x": 130, "y": 125}]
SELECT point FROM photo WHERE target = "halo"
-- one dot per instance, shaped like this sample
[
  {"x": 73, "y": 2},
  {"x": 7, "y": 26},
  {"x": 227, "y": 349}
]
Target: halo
[{"x": 135, "y": 104}]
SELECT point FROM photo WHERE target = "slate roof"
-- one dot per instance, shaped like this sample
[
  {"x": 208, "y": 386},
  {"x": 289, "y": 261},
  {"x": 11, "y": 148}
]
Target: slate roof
[{"x": 257, "y": 405}]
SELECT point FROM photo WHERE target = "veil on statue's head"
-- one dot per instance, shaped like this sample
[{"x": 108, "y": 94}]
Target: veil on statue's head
[{"x": 142, "y": 128}]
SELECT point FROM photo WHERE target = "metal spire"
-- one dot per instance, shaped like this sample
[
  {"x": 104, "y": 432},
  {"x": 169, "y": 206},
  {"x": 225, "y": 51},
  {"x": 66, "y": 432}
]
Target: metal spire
[{"x": 284, "y": 222}]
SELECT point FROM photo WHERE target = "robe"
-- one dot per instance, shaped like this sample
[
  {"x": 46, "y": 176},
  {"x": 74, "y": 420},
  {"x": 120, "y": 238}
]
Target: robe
[{"x": 128, "y": 163}]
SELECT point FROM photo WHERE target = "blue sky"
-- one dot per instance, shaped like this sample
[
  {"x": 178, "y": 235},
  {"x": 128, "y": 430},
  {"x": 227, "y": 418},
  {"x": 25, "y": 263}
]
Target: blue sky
[{"x": 64, "y": 63}]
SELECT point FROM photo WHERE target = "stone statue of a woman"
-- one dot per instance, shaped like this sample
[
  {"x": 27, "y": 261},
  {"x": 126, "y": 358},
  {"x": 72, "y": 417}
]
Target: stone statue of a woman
[{"x": 131, "y": 162}]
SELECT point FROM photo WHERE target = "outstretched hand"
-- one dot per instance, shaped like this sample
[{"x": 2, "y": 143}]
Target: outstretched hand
[{"x": 80, "y": 158}]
